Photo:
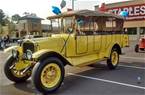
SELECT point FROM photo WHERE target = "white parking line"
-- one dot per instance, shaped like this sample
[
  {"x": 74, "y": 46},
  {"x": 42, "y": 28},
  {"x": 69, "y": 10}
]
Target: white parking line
[
  {"x": 108, "y": 81},
  {"x": 136, "y": 58},
  {"x": 136, "y": 67}
]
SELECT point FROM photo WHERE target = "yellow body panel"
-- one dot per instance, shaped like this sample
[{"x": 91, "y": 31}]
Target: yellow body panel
[{"x": 99, "y": 48}]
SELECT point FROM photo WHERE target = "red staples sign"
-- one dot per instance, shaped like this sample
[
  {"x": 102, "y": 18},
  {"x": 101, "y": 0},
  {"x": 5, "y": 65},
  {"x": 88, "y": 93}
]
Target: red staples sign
[{"x": 136, "y": 12}]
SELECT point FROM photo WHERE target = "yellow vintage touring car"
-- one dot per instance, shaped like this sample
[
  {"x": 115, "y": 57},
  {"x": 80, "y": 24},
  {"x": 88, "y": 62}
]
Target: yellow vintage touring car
[{"x": 78, "y": 38}]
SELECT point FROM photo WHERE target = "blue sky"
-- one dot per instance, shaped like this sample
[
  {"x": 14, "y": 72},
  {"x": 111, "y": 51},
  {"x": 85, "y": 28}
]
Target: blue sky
[{"x": 43, "y": 7}]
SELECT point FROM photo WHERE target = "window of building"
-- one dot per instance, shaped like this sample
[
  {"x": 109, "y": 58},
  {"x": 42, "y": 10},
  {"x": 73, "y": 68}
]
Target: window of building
[
  {"x": 132, "y": 31},
  {"x": 34, "y": 25},
  {"x": 142, "y": 30}
]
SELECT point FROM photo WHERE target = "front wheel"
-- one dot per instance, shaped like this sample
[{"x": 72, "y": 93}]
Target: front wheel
[
  {"x": 113, "y": 61},
  {"x": 47, "y": 75},
  {"x": 13, "y": 74}
]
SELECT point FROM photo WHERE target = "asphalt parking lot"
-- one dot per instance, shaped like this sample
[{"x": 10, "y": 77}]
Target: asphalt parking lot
[{"x": 127, "y": 79}]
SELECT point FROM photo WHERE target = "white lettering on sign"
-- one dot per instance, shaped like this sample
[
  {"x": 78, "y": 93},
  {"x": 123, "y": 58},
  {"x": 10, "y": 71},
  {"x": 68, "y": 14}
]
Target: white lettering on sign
[
  {"x": 142, "y": 9},
  {"x": 130, "y": 11},
  {"x": 135, "y": 11}
]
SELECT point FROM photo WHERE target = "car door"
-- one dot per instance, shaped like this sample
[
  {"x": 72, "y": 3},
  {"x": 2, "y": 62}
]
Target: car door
[
  {"x": 97, "y": 42},
  {"x": 97, "y": 36},
  {"x": 81, "y": 44}
]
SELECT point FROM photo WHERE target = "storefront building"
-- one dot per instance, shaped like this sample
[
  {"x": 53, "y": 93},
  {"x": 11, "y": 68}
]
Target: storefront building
[{"x": 135, "y": 22}]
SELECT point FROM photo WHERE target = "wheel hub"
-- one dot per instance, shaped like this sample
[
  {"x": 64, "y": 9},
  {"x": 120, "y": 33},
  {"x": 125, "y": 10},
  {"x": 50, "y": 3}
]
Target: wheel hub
[
  {"x": 114, "y": 58},
  {"x": 50, "y": 75}
]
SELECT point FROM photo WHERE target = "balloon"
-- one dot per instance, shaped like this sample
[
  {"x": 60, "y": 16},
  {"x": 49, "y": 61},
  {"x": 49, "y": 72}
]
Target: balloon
[
  {"x": 124, "y": 13},
  {"x": 56, "y": 10},
  {"x": 63, "y": 4}
]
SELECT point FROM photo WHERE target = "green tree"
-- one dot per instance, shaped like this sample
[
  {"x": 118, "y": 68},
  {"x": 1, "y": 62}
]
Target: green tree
[
  {"x": 16, "y": 18},
  {"x": 2, "y": 17}
]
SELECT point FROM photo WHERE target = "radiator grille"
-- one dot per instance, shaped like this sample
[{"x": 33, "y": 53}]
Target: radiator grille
[{"x": 28, "y": 46}]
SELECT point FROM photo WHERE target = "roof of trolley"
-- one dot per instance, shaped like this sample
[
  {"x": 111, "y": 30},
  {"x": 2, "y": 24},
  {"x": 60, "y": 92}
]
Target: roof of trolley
[{"x": 86, "y": 13}]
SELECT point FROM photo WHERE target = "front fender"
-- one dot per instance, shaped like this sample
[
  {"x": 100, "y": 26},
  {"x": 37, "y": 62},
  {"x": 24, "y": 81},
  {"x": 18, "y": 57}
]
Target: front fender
[
  {"x": 38, "y": 54},
  {"x": 10, "y": 48}
]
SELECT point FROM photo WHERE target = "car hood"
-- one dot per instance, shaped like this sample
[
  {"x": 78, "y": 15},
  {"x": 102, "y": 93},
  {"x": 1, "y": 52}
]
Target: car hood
[{"x": 53, "y": 36}]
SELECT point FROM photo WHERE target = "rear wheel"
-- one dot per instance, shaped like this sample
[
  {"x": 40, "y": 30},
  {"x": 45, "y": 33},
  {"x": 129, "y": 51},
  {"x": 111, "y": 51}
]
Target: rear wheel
[
  {"x": 48, "y": 75},
  {"x": 136, "y": 48},
  {"x": 113, "y": 61},
  {"x": 13, "y": 74}
]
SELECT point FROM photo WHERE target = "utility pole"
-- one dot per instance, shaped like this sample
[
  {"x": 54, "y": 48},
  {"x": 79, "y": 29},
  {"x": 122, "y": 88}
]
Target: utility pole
[{"x": 72, "y": 5}]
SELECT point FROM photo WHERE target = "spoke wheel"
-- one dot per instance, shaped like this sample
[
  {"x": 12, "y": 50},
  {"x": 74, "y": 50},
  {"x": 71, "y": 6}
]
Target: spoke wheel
[
  {"x": 50, "y": 75},
  {"x": 114, "y": 58},
  {"x": 13, "y": 74},
  {"x": 113, "y": 61},
  {"x": 47, "y": 75}
]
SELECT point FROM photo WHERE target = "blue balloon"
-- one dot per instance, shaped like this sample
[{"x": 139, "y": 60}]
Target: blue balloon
[
  {"x": 124, "y": 13},
  {"x": 56, "y": 10}
]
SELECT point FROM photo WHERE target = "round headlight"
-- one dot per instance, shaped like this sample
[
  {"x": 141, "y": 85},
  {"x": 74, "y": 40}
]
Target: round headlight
[
  {"x": 29, "y": 54},
  {"x": 14, "y": 53}
]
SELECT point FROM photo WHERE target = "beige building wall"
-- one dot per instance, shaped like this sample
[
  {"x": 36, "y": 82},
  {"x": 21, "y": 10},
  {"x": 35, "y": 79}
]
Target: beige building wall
[{"x": 130, "y": 24}]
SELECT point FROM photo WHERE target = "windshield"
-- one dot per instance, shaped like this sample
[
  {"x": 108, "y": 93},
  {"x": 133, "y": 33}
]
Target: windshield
[
  {"x": 56, "y": 25},
  {"x": 60, "y": 25},
  {"x": 68, "y": 24}
]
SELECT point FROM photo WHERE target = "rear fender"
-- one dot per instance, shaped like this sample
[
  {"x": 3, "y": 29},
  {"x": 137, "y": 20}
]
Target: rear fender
[{"x": 109, "y": 50}]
